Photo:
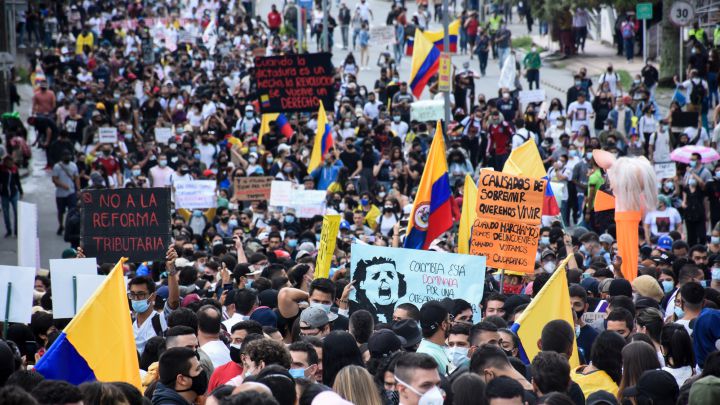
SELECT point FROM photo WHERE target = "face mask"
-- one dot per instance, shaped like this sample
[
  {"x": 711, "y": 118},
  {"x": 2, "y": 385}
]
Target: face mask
[
  {"x": 127, "y": 136},
  {"x": 669, "y": 185},
  {"x": 253, "y": 149},
  {"x": 225, "y": 220},
  {"x": 289, "y": 219},
  {"x": 106, "y": 152},
  {"x": 577, "y": 331},
  {"x": 715, "y": 272},
  {"x": 297, "y": 372},
  {"x": 578, "y": 82},
  {"x": 173, "y": 146},
  {"x": 717, "y": 173},
  {"x": 432, "y": 397},
  {"x": 392, "y": 397},
  {"x": 197, "y": 213},
  {"x": 136, "y": 172},
  {"x": 269, "y": 159},
  {"x": 140, "y": 306},
  {"x": 325, "y": 307},
  {"x": 199, "y": 383},
  {"x": 573, "y": 153},
  {"x": 196, "y": 156},
  {"x": 382, "y": 194},
  {"x": 588, "y": 155},
  {"x": 233, "y": 223},
  {"x": 457, "y": 355},
  {"x": 533, "y": 49},
  {"x": 249, "y": 114},
  {"x": 549, "y": 267},
  {"x": 364, "y": 201},
  {"x": 664, "y": 128},
  {"x": 545, "y": 240},
  {"x": 692, "y": 182},
  {"x": 347, "y": 124},
  {"x": 252, "y": 160},
  {"x": 396, "y": 118},
  {"x": 667, "y": 286},
  {"x": 292, "y": 243},
  {"x": 679, "y": 313},
  {"x": 693, "y": 163},
  {"x": 636, "y": 81},
  {"x": 249, "y": 283},
  {"x": 162, "y": 163},
  {"x": 235, "y": 353}
]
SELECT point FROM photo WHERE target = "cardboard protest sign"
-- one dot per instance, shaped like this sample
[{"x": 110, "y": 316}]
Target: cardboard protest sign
[
  {"x": 328, "y": 237},
  {"x": 195, "y": 194},
  {"x": 385, "y": 277},
  {"x": 684, "y": 119},
  {"x": 531, "y": 96},
  {"x": 130, "y": 222},
  {"x": 163, "y": 134},
  {"x": 507, "y": 227},
  {"x": 253, "y": 188},
  {"x": 64, "y": 295},
  {"x": 665, "y": 170},
  {"x": 382, "y": 34},
  {"x": 22, "y": 280},
  {"x": 427, "y": 110},
  {"x": 28, "y": 244},
  {"x": 295, "y": 82},
  {"x": 107, "y": 135}
]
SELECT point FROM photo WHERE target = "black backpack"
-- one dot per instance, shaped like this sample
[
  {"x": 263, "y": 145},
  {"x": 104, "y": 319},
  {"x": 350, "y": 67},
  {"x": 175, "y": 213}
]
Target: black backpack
[{"x": 697, "y": 93}]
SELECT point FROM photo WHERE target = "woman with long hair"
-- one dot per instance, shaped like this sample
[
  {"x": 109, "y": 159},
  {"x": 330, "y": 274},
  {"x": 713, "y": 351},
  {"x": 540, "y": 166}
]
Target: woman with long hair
[
  {"x": 637, "y": 357},
  {"x": 676, "y": 346},
  {"x": 339, "y": 350},
  {"x": 356, "y": 385},
  {"x": 605, "y": 369}
]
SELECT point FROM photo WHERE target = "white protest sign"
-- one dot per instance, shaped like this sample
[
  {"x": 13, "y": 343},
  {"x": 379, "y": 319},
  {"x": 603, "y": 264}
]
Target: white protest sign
[
  {"x": 280, "y": 192},
  {"x": 86, "y": 286},
  {"x": 28, "y": 242},
  {"x": 427, "y": 110},
  {"x": 385, "y": 277},
  {"x": 61, "y": 277},
  {"x": 590, "y": 317},
  {"x": 195, "y": 194},
  {"x": 507, "y": 73},
  {"x": 185, "y": 37},
  {"x": 531, "y": 96},
  {"x": 22, "y": 280},
  {"x": 382, "y": 34},
  {"x": 107, "y": 135},
  {"x": 665, "y": 170},
  {"x": 308, "y": 203},
  {"x": 163, "y": 134}
]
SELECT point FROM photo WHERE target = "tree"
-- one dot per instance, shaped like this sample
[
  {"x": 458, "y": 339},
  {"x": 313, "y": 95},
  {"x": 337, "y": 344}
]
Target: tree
[{"x": 669, "y": 54}]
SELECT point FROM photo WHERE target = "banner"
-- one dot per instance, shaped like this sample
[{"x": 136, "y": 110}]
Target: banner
[
  {"x": 531, "y": 96},
  {"x": 665, "y": 170},
  {"x": 163, "y": 134},
  {"x": 382, "y": 34},
  {"x": 253, "y": 188},
  {"x": 308, "y": 203},
  {"x": 385, "y": 277},
  {"x": 509, "y": 210},
  {"x": 195, "y": 194},
  {"x": 107, "y": 135},
  {"x": 295, "y": 82},
  {"x": 281, "y": 192},
  {"x": 328, "y": 237},
  {"x": 427, "y": 110},
  {"x": 130, "y": 222}
]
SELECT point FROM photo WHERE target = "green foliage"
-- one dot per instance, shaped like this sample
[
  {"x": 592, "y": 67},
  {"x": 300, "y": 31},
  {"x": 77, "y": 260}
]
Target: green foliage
[
  {"x": 23, "y": 74},
  {"x": 625, "y": 78},
  {"x": 524, "y": 43}
]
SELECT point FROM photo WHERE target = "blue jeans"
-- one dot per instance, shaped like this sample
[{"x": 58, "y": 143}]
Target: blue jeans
[
  {"x": 6, "y": 203},
  {"x": 713, "y": 96},
  {"x": 629, "y": 48},
  {"x": 502, "y": 54},
  {"x": 483, "y": 57},
  {"x": 398, "y": 50}
]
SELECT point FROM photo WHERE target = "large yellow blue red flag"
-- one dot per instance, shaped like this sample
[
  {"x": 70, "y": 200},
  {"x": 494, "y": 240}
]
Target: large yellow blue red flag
[
  {"x": 551, "y": 303},
  {"x": 425, "y": 63},
  {"x": 323, "y": 140},
  {"x": 525, "y": 161},
  {"x": 431, "y": 213},
  {"x": 468, "y": 214},
  {"x": 436, "y": 37},
  {"x": 98, "y": 344}
]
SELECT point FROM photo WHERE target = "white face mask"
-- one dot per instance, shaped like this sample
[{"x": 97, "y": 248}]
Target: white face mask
[
  {"x": 433, "y": 396},
  {"x": 457, "y": 355}
]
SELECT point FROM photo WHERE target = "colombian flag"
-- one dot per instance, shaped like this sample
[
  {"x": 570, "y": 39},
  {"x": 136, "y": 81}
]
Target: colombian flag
[
  {"x": 323, "y": 140},
  {"x": 284, "y": 126},
  {"x": 98, "y": 344},
  {"x": 425, "y": 63},
  {"x": 431, "y": 213},
  {"x": 436, "y": 37},
  {"x": 265, "y": 101},
  {"x": 468, "y": 215},
  {"x": 525, "y": 160},
  {"x": 552, "y": 302}
]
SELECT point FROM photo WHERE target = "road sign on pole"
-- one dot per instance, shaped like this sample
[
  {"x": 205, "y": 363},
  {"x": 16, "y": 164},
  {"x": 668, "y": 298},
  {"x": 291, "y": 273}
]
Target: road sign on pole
[
  {"x": 682, "y": 13},
  {"x": 644, "y": 11}
]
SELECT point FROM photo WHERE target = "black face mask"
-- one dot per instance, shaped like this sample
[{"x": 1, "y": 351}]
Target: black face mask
[
  {"x": 225, "y": 220},
  {"x": 579, "y": 313},
  {"x": 392, "y": 397},
  {"x": 199, "y": 383},
  {"x": 235, "y": 355},
  {"x": 188, "y": 252},
  {"x": 508, "y": 352}
]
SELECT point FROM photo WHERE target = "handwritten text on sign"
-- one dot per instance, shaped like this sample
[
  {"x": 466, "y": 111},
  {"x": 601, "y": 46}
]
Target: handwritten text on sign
[
  {"x": 195, "y": 194},
  {"x": 295, "y": 82},
  {"x": 253, "y": 188},
  {"x": 134, "y": 223},
  {"x": 509, "y": 211}
]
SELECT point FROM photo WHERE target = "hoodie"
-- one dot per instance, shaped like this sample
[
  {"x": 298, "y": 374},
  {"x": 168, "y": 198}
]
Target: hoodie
[{"x": 164, "y": 395}]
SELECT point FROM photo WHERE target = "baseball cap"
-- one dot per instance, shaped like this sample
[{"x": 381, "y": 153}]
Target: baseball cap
[
  {"x": 664, "y": 258},
  {"x": 546, "y": 253},
  {"x": 432, "y": 315},
  {"x": 590, "y": 285},
  {"x": 408, "y": 330},
  {"x": 705, "y": 390},
  {"x": 308, "y": 247},
  {"x": 264, "y": 316},
  {"x": 314, "y": 317},
  {"x": 515, "y": 301},
  {"x": 601, "y": 398},
  {"x": 604, "y": 285},
  {"x": 620, "y": 286},
  {"x": 658, "y": 385},
  {"x": 606, "y": 238},
  {"x": 384, "y": 343},
  {"x": 665, "y": 242}
]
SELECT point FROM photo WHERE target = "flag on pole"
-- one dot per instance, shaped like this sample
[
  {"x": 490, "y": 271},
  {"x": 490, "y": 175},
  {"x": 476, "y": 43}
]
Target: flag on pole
[
  {"x": 468, "y": 215},
  {"x": 551, "y": 303},
  {"x": 436, "y": 37},
  {"x": 98, "y": 344},
  {"x": 431, "y": 212},
  {"x": 425, "y": 63},
  {"x": 323, "y": 140}
]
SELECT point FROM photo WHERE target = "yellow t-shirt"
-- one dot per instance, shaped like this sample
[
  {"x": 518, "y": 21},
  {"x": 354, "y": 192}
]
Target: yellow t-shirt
[
  {"x": 594, "y": 381},
  {"x": 83, "y": 40}
]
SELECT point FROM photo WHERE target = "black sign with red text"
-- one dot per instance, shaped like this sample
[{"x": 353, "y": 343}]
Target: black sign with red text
[
  {"x": 295, "y": 82},
  {"x": 131, "y": 222}
]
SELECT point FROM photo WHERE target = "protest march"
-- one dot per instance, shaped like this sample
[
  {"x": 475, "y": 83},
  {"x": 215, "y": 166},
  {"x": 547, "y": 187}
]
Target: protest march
[{"x": 370, "y": 202}]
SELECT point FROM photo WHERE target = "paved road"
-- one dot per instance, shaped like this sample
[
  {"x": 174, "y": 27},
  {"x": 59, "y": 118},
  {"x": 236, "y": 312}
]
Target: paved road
[{"x": 40, "y": 190}]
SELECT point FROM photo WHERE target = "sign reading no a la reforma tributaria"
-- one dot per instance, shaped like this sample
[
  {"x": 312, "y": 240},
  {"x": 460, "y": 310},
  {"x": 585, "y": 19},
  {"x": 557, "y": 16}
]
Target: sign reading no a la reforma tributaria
[
  {"x": 131, "y": 222},
  {"x": 295, "y": 82}
]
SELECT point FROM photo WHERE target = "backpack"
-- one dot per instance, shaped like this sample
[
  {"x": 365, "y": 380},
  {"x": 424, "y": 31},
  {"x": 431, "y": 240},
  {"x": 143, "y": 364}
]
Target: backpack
[
  {"x": 697, "y": 92},
  {"x": 628, "y": 31}
]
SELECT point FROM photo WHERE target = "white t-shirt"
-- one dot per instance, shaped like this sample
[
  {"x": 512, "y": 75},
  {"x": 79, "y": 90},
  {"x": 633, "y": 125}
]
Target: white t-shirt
[
  {"x": 144, "y": 332},
  {"x": 688, "y": 85},
  {"x": 612, "y": 81},
  {"x": 662, "y": 222},
  {"x": 364, "y": 10},
  {"x": 218, "y": 353},
  {"x": 207, "y": 153},
  {"x": 661, "y": 144},
  {"x": 703, "y": 139},
  {"x": 581, "y": 114},
  {"x": 161, "y": 176}
]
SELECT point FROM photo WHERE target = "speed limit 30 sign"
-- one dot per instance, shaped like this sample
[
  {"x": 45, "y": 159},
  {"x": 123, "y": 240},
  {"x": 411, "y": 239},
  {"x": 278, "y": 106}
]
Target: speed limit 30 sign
[{"x": 682, "y": 13}]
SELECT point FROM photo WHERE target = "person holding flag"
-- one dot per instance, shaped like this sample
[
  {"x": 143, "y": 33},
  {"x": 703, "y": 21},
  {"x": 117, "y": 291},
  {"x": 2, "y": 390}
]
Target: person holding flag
[{"x": 324, "y": 163}]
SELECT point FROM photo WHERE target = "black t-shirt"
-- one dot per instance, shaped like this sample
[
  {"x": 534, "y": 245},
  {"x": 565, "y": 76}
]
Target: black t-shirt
[
  {"x": 712, "y": 190},
  {"x": 350, "y": 160},
  {"x": 150, "y": 112}
]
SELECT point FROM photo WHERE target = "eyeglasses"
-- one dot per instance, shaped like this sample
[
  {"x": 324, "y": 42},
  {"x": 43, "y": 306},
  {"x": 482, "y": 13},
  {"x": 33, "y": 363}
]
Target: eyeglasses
[{"x": 137, "y": 295}]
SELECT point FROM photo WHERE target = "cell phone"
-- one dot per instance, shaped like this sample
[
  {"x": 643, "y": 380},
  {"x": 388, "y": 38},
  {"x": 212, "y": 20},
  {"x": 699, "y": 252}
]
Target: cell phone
[
  {"x": 403, "y": 223},
  {"x": 229, "y": 241}
]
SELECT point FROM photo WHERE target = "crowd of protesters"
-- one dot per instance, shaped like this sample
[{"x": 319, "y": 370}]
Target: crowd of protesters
[{"x": 234, "y": 314}]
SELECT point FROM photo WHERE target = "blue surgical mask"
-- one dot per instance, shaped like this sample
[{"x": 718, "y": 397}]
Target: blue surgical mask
[
  {"x": 715, "y": 273},
  {"x": 715, "y": 240},
  {"x": 233, "y": 223},
  {"x": 586, "y": 275},
  {"x": 248, "y": 283},
  {"x": 364, "y": 201},
  {"x": 573, "y": 153},
  {"x": 136, "y": 172},
  {"x": 297, "y": 372},
  {"x": 703, "y": 283},
  {"x": 457, "y": 355},
  {"x": 667, "y": 286},
  {"x": 140, "y": 306},
  {"x": 325, "y": 307},
  {"x": 196, "y": 156},
  {"x": 292, "y": 243},
  {"x": 588, "y": 155},
  {"x": 253, "y": 149},
  {"x": 693, "y": 163},
  {"x": 545, "y": 240},
  {"x": 289, "y": 219},
  {"x": 679, "y": 312}
]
